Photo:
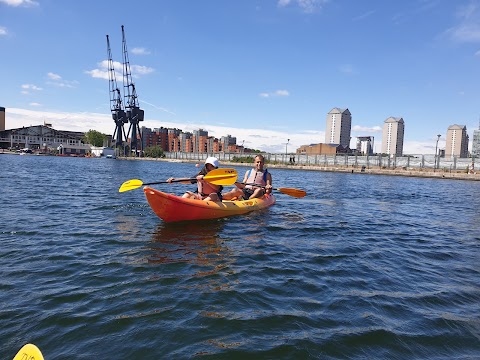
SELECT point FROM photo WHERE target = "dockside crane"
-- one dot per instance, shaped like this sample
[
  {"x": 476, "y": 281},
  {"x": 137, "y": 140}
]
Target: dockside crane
[
  {"x": 116, "y": 106},
  {"x": 132, "y": 107}
]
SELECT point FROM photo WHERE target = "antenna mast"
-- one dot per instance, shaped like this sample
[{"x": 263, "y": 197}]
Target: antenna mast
[
  {"x": 116, "y": 107},
  {"x": 133, "y": 111}
]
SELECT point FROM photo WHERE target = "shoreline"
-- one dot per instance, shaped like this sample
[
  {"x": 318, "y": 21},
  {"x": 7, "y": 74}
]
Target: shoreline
[
  {"x": 409, "y": 172},
  {"x": 420, "y": 173}
]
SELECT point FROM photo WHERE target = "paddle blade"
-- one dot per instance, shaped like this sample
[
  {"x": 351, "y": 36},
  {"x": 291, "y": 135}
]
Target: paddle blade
[
  {"x": 130, "y": 185},
  {"x": 29, "y": 351},
  {"x": 293, "y": 192},
  {"x": 222, "y": 177}
]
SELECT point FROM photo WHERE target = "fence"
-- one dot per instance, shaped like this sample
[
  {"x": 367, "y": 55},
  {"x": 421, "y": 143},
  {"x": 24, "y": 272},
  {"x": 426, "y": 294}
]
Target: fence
[{"x": 343, "y": 160}]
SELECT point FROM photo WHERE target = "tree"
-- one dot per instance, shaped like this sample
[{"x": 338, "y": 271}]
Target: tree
[
  {"x": 154, "y": 152},
  {"x": 94, "y": 137}
]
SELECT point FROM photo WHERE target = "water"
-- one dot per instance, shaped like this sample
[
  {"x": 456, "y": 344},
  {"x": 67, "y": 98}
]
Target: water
[{"x": 363, "y": 267}]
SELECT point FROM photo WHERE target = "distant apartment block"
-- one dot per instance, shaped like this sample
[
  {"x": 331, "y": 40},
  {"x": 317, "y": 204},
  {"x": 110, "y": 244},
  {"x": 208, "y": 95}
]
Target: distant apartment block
[
  {"x": 365, "y": 145},
  {"x": 457, "y": 141},
  {"x": 339, "y": 126},
  {"x": 392, "y": 136},
  {"x": 198, "y": 141}
]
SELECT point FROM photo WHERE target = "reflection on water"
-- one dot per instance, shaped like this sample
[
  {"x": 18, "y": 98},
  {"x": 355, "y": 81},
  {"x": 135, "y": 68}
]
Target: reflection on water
[
  {"x": 197, "y": 245},
  {"x": 197, "y": 242}
]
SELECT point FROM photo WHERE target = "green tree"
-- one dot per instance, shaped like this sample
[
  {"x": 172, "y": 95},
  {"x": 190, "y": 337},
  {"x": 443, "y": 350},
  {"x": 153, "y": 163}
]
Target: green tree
[
  {"x": 154, "y": 152},
  {"x": 94, "y": 137}
]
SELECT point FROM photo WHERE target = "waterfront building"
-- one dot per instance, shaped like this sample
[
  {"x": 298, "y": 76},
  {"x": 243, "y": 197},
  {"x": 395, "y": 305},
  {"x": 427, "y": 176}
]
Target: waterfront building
[
  {"x": 365, "y": 145},
  {"x": 173, "y": 141},
  {"x": 476, "y": 143},
  {"x": 392, "y": 136},
  {"x": 457, "y": 141},
  {"x": 45, "y": 138},
  {"x": 322, "y": 149},
  {"x": 227, "y": 143},
  {"x": 155, "y": 137},
  {"x": 186, "y": 142},
  {"x": 339, "y": 126},
  {"x": 2, "y": 118},
  {"x": 200, "y": 140}
]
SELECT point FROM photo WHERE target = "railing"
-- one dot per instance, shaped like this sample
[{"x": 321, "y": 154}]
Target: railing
[{"x": 342, "y": 160}]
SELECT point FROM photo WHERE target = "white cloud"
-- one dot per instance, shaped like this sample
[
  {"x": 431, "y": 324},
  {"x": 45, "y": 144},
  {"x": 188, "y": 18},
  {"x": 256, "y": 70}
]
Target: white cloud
[
  {"x": 102, "y": 71},
  {"x": 140, "y": 70},
  {"x": 283, "y": 3},
  {"x": 307, "y": 6},
  {"x": 54, "y": 76},
  {"x": 262, "y": 139},
  {"x": 468, "y": 27},
  {"x": 59, "y": 82},
  {"x": 16, "y": 3},
  {"x": 140, "y": 51},
  {"x": 100, "y": 74},
  {"x": 273, "y": 141},
  {"x": 366, "y": 129},
  {"x": 35, "y": 104},
  {"x": 276, "y": 93},
  {"x": 3, "y": 30},
  {"x": 28, "y": 87}
]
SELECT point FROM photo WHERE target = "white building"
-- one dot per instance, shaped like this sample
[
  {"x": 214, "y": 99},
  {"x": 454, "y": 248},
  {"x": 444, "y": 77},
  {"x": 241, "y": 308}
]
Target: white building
[
  {"x": 457, "y": 141},
  {"x": 392, "y": 136},
  {"x": 339, "y": 126}
]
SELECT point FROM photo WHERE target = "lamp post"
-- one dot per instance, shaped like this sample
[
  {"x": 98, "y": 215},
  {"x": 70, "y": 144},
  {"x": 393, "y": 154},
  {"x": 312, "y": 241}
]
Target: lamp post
[
  {"x": 243, "y": 149},
  {"x": 436, "y": 147}
]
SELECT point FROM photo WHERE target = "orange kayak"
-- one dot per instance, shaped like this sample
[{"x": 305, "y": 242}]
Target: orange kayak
[{"x": 172, "y": 208}]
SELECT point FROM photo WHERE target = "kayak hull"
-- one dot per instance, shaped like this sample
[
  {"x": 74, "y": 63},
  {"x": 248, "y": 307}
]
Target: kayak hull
[{"x": 171, "y": 208}]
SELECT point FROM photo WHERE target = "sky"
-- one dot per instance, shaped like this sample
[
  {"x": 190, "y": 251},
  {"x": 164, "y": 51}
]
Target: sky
[{"x": 264, "y": 71}]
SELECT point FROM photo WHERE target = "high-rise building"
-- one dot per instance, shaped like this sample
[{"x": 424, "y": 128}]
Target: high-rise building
[
  {"x": 476, "y": 142},
  {"x": 457, "y": 141},
  {"x": 200, "y": 143},
  {"x": 2, "y": 118},
  {"x": 392, "y": 136},
  {"x": 339, "y": 126},
  {"x": 227, "y": 141}
]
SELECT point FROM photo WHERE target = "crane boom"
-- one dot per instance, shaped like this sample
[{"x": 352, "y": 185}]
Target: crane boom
[
  {"x": 133, "y": 112},
  {"x": 116, "y": 106}
]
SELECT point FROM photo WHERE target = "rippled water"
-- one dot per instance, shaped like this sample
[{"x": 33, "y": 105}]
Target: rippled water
[{"x": 363, "y": 267}]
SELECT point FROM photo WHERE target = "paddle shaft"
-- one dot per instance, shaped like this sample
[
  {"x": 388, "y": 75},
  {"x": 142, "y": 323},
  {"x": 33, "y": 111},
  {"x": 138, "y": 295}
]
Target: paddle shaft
[
  {"x": 217, "y": 177},
  {"x": 192, "y": 180},
  {"x": 288, "y": 191}
]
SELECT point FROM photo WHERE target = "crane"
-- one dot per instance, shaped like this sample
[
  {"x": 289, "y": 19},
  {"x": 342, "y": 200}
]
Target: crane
[
  {"x": 116, "y": 106},
  {"x": 132, "y": 107}
]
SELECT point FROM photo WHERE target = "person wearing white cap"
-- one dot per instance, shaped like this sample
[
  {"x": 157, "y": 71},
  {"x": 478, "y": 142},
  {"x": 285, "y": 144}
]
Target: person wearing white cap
[{"x": 205, "y": 190}]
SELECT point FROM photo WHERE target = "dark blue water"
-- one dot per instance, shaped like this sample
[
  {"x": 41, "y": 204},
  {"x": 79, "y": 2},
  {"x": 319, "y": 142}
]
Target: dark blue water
[{"x": 363, "y": 267}]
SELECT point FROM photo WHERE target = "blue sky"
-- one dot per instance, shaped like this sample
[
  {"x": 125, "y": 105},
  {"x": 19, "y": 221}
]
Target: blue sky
[{"x": 262, "y": 70}]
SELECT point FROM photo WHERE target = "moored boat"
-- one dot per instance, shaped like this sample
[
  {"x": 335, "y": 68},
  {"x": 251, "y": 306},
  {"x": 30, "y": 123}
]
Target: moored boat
[{"x": 171, "y": 208}]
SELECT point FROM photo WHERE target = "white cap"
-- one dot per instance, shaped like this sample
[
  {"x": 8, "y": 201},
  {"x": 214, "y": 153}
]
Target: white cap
[{"x": 213, "y": 161}]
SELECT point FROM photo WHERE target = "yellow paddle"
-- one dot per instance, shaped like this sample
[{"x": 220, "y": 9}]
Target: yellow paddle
[
  {"x": 217, "y": 177},
  {"x": 29, "y": 351},
  {"x": 288, "y": 191}
]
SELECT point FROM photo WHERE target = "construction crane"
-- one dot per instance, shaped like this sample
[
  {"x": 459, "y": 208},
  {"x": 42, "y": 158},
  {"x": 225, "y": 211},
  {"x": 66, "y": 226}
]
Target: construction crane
[
  {"x": 133, "y": 111},
  {"x": 116, "y": 106}
]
